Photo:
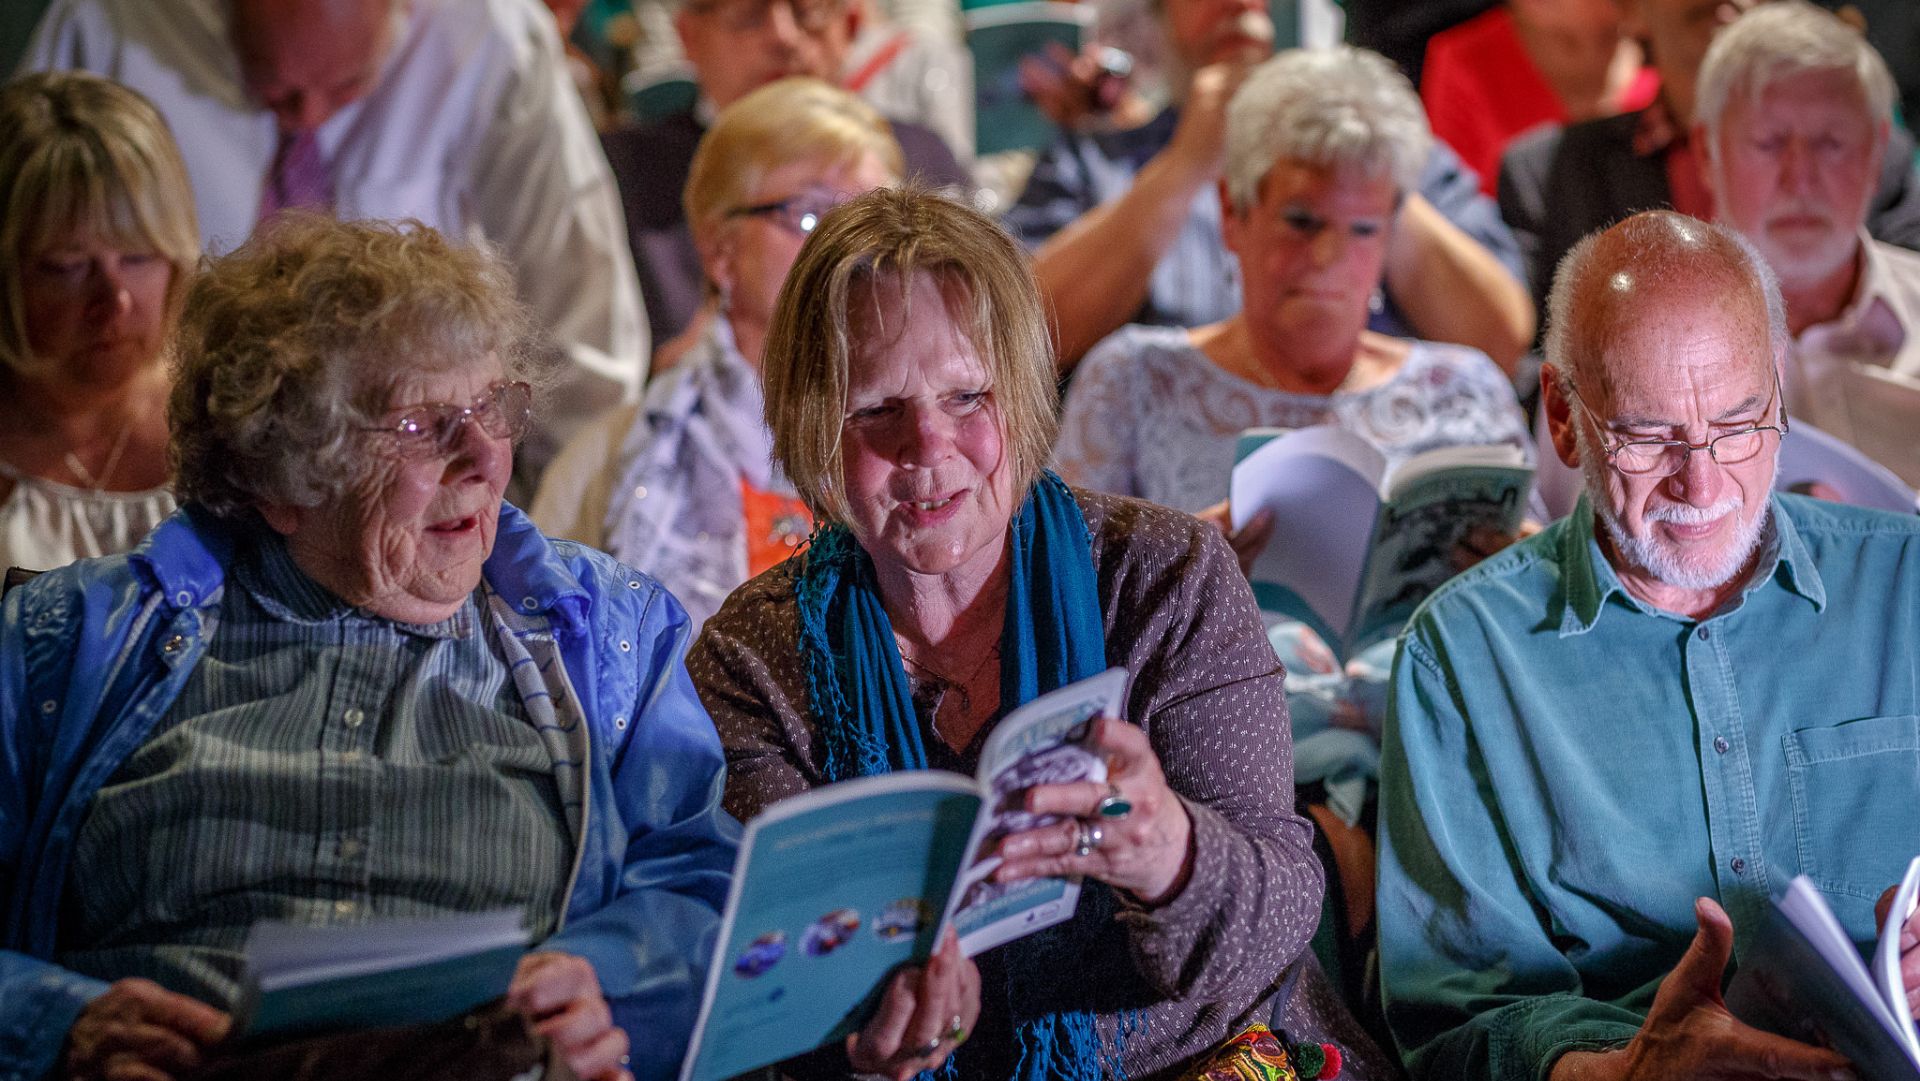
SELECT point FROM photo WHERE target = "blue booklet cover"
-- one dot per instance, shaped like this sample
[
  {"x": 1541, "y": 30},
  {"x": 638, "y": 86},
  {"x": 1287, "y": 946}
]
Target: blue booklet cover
[
  {"x": 306, "y": 980},
  {"x": 835, "y": 888}
]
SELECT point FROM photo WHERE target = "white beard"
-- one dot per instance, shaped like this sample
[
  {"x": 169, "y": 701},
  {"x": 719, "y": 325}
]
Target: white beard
[{"x": 1658, "y": 559}]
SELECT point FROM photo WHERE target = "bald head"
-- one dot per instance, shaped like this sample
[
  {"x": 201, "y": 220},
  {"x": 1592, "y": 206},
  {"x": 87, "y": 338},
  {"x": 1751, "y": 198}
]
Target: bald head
[
  {"x": 304, "y": 60},
  {"x": 1657, "y": 261}
]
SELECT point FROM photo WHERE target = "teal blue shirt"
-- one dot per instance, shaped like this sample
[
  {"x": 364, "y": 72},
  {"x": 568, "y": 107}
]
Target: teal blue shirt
[{"x": 1566, "y": 768}]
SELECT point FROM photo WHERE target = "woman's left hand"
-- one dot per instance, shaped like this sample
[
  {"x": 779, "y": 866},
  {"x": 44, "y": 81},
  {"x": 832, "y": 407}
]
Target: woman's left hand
[
  {"x": 1147, "y": 851},
  {"x": 560, "y": 994}
]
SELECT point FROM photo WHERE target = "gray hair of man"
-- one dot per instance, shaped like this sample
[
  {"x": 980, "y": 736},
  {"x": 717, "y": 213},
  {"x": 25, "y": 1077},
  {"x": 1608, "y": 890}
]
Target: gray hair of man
[
  {"x": 1778, "y": 41},
  {"x": 1669, "y": 252},
  {"x": 1334, "y": 108}
]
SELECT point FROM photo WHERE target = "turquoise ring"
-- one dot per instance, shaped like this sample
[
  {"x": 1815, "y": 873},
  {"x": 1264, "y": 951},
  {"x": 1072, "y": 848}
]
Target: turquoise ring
[{"x": 1113, "y": 804}]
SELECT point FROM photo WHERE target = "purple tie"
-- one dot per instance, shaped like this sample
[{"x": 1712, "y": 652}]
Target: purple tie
[{"x": 298, "y": 177}]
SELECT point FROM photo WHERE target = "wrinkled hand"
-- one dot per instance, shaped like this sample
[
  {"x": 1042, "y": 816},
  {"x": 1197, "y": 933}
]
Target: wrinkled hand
[
  {"x": 1148, "y": 852},
  {"x": 1909, "y": 948},
  {"x": 1249, "y": 540},
  {"x": 140, "y": 1031},
  {"x": 560, "y": 995},
  {"x": 912, "y": 1029},
  {"x": 1689, "y": 1033}
]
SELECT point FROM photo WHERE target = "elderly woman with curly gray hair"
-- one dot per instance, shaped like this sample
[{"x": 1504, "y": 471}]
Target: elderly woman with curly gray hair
[{"x": 347, "y": 683}]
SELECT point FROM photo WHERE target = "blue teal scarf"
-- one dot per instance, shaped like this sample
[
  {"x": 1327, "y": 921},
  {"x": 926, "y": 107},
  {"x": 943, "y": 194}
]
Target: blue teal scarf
[{"x": 857, "y": 687}]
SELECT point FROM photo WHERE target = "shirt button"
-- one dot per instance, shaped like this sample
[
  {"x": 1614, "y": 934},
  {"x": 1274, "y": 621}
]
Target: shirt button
[
  {"x": 626, "y": 646},
  {"x": 529, "y": 603},
  {"x": 344, "y": 908},
  {"x": 183, "y": 598},
  {"x": 1706, "y": 633},
  {"x": 354, "y": 717},
  {"x": 350, "y": 848},
  {"x": 1720, "y": 744},
  {"x": 1739, "y": 866}
]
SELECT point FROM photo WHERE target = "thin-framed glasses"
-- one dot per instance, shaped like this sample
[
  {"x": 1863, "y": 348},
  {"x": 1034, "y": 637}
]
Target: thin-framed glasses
[
  {"x": 1665, "y": 457},
  {"x": 799, "y": 213},
  {"x": 504, "y": 411},
  {"x": 741, "y": 16}
]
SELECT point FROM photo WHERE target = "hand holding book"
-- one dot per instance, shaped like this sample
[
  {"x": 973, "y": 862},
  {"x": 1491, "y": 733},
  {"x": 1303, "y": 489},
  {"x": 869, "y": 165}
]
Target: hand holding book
[
  {"x": 139, "y": 1026},
  {"x": 560, "y": 995},
  {"x": 926, "y": 1012},
  {"x": 1146, "y": 851}
]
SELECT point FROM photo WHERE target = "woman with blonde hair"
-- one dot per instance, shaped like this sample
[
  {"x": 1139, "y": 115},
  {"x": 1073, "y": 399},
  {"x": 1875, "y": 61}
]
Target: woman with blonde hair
[
  {"x": 97, "y": 241},
  {"x": 910, "y": 383},
  {"x": 682, "y": 485}
]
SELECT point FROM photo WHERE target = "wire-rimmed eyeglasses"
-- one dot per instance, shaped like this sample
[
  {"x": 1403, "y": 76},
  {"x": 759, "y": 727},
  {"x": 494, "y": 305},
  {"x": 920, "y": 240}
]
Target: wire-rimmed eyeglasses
[
  {"x": 1665, "y": 457},
  {"x": 503, "y": 410}
]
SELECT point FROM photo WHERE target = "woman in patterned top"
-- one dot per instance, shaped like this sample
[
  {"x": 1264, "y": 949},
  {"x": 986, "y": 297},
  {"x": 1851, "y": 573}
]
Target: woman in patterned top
[
  {"x": 683, "y": 484},
  {"x": 1321, "y": 146},
  {"x": 912, "y": 402}
]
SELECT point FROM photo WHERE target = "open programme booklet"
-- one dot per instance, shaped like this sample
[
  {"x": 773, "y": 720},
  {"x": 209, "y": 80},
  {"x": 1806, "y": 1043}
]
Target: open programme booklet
[
  {"x": 1802, "y": 977},
  {"x": 1355, "y": 549},
  {"x": 303, "y": 980},
  {"x": 835, "y": 888}
]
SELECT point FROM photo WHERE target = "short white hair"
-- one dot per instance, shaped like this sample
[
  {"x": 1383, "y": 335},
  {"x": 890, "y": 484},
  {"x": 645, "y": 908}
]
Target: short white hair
[
  {"x": 1337, "y": 107},
  {"x": 1651, "y": 253},
  {"x": 1778, "y": 41}
]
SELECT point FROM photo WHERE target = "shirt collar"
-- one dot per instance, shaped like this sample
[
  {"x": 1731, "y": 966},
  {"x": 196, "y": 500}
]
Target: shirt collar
[
  {"x": 1872, "y": 323},
  {"x": 285, "y": 592},
  {"x": 1589, "y": 580}
]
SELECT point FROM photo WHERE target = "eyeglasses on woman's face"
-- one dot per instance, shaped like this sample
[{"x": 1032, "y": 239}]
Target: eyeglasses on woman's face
[{"x": 504, "y": 410}]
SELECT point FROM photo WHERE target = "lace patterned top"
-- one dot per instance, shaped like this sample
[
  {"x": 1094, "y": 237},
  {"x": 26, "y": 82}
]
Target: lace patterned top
[
  {"x": 44, "y": 524},
  {"x": 1151, "y": 416}
]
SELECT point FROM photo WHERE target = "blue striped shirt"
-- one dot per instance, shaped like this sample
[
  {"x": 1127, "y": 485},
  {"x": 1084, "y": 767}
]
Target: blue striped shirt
[{"x": 320, "y": 766}]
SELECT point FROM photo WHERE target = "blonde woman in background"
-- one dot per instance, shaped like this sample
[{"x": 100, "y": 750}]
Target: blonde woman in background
[
  {"x": 97, "y": 241},
  {"x": 682, "y": 485}
]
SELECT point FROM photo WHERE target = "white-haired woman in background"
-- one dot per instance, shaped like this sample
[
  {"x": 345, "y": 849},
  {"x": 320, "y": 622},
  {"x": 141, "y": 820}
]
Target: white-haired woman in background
[{"x": 1322, "y": 146}]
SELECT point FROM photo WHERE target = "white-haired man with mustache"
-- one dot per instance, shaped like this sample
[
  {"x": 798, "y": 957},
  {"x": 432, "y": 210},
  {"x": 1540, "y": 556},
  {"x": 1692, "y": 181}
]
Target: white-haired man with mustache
[
  {"x": 1608, "y": 745},
  {"x": 1795, "y": 109}
]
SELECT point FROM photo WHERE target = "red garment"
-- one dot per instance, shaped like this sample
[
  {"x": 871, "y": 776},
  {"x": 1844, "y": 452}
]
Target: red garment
[
  {"x": 1481, "y": 90},
  {"x": 776, "y": 524}
]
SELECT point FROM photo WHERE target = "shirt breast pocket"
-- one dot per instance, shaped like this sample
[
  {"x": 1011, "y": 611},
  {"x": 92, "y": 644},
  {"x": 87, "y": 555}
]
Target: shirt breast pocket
[{"x": 1856, "y": 802}]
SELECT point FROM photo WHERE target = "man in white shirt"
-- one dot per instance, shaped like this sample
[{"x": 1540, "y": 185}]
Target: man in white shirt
[
  {"x": 454, "y": 112},
  {"x": 1794, "y": 109}
]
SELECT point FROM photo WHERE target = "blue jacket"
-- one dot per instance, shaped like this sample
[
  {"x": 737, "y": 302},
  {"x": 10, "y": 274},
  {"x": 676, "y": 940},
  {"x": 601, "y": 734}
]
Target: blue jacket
[{"x": 93, "y": 654}]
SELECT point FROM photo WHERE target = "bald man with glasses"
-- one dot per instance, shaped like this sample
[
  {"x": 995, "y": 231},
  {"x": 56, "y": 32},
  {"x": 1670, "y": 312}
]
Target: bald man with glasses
[{"x": 1608, "y": 746}]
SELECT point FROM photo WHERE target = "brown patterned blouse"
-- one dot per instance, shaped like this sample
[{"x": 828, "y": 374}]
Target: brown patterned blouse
[{"x": 1207, "y": 690}]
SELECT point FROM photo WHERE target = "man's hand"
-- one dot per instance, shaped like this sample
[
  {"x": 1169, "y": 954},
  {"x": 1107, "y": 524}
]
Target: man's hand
[
  {"x": 140, "y": 1031},
  {"x": 927, "y": 1012},
  {"x": 560, "y": 995},
  {"x": 1909, "y": 948},
  {"x": 1249, "y": 540},
  {"x": 1689, "y": 1033}
]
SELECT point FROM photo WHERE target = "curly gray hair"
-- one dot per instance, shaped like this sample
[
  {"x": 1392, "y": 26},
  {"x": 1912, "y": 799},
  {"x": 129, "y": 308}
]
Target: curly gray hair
[
  {"x": 1780, "y": 40},
  {"x": 292, "y": 343},
  {"x": 1342, "y": 107}
]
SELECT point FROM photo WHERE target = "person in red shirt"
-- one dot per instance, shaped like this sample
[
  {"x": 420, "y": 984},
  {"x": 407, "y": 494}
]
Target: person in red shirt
[{"x": 1526, "y": 63}]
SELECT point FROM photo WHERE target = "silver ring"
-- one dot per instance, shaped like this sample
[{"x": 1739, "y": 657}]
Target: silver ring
[
  {"x": 1090, "y": 837},
  {"x": 927, "y": 1048},
  {"x": 1114, "y": 804}
]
